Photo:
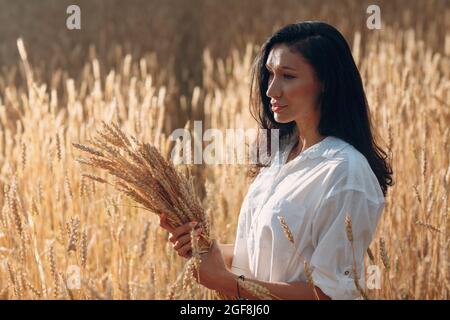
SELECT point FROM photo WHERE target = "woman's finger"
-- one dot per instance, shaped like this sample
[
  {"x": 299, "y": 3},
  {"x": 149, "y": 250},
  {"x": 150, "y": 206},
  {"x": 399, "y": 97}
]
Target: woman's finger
[
  {"x": 185, "y": 228},
  {"x": 185, "y": 251},
  {"x": 182, "y": 240},
  {"x": 163, "y": 223}
]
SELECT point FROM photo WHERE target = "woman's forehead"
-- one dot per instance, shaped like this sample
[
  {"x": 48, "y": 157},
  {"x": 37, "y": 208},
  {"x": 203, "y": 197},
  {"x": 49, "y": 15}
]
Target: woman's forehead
[{"x": 282, "y": 56}]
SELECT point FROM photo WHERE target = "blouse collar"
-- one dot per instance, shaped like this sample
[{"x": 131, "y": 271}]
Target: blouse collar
[{"x": 326, "y": 148}]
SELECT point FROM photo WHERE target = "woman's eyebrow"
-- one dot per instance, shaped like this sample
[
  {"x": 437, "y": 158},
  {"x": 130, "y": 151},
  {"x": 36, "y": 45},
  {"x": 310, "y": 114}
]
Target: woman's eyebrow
[{"x": 282, "y": 67}]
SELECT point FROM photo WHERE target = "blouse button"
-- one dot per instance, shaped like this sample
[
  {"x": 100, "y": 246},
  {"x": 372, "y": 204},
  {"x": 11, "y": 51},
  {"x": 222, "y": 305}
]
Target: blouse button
[{"x": 347, "y": 272}]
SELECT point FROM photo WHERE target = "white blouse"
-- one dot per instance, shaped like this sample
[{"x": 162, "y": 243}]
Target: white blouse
[{"x": 313, "y": 193}]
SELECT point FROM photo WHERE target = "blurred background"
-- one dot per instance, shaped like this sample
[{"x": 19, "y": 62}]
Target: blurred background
[{"x": 155, "y": 66}]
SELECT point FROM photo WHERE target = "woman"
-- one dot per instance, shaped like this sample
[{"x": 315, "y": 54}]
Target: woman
[{"x": 307, "y": 86}]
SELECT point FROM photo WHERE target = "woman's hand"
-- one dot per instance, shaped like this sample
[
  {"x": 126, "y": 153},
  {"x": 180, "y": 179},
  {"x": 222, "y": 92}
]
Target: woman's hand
[
  {"x": 212, "y": 268},
  {"x": 180, "y": 237}
]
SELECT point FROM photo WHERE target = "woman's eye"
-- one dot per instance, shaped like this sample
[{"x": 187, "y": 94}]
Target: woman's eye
[{"x": 286, "y": 76}]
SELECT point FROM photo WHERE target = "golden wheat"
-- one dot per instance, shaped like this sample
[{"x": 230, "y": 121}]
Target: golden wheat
[{"x": 45, "y": 108}]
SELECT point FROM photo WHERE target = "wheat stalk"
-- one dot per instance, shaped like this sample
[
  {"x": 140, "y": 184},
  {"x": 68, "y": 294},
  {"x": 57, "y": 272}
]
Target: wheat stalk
[
  {"x": 309, "y": 277},
  {"x": 349, "y": 232},
  {"x": 308, "y": 270},
  {"x": 286, "y": 229}
]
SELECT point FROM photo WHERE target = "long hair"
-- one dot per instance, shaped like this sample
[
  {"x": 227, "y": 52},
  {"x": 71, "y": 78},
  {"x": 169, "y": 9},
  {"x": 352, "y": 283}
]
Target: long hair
[{"x": 344, "y": 111}]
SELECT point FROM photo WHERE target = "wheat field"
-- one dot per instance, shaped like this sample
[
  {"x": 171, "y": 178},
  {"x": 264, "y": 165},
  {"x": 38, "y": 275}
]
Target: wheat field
[{"x": 56, "y": 87}]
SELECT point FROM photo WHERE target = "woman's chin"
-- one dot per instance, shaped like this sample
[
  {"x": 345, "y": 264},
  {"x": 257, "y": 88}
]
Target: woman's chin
[{"x": 281, "y": 119}]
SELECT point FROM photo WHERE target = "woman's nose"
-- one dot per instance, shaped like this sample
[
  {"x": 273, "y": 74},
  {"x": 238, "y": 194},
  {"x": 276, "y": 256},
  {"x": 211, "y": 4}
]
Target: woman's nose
[{"x": 273, "y": 90}]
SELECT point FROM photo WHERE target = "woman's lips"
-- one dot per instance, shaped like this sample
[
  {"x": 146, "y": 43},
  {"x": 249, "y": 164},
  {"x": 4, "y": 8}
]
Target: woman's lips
[{"x": 276, "y": 108}]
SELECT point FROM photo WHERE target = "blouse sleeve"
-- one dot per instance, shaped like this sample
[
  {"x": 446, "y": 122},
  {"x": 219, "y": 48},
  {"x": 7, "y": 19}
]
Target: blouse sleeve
[{"x": 332, "y": 259}]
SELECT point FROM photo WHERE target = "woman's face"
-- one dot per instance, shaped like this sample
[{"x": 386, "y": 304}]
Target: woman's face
[{"x": 292, "y": 86}]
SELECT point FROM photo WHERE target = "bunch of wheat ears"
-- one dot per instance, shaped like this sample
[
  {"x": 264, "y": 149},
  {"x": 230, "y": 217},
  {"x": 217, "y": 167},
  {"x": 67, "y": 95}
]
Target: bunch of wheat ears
[{"x": 142, "y": 174}]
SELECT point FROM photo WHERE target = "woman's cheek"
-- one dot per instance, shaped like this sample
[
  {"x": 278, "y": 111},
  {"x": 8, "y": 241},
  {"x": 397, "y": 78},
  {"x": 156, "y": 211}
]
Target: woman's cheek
[{"x": 301, "y": 90}]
